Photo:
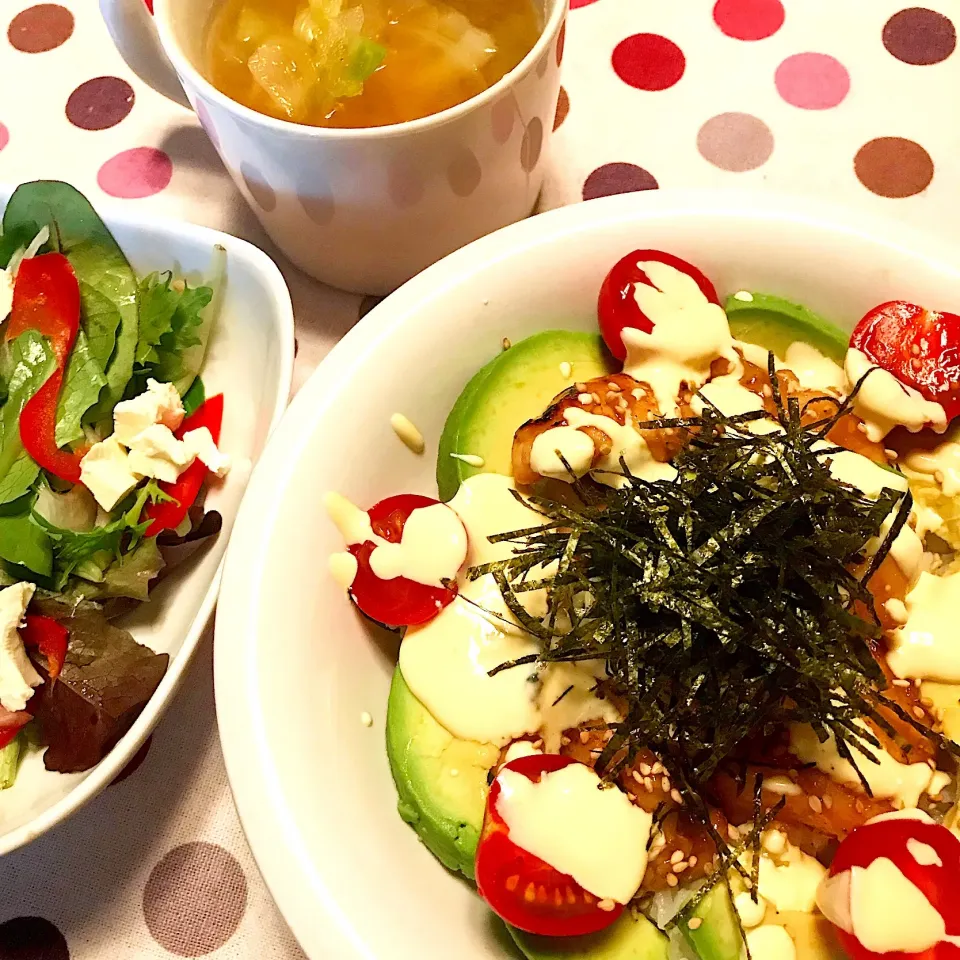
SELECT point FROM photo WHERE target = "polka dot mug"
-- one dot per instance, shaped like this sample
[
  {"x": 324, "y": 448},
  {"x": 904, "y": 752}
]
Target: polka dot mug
[{"x": 362, "y": 209}]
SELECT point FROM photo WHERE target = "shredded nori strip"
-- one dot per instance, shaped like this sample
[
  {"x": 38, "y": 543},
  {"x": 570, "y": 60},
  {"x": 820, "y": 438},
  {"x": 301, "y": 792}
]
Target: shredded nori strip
[{"x": 725, "y": 602}]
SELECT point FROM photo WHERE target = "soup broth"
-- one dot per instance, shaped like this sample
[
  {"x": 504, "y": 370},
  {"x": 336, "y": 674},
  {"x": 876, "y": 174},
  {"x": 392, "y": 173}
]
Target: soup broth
[{"x": 337, "y": 63}]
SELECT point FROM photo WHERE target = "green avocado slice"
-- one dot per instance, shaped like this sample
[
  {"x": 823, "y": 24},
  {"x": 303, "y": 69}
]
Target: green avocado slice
[
  {"x": 444, "y": 807},
  {"x": 775, "y": 323},
  {"x": 514, "y": 387},
  {"x": 630, "y": 938}
]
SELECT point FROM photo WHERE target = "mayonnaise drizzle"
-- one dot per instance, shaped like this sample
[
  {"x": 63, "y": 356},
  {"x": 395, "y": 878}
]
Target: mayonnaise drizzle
[
  {"x": 689, "y": 333},
  {"x": 595, "y": 835},
  {"x": 927, "y": 646},
  {"x": 883, "y": 402},
  {"x": 446, "y": 662},
  {"x": 887, "y": 777},
  {"x": 577, "y": 448},
  {"x": 432, "y": 547},
  {"x": 942, "y": 463}
]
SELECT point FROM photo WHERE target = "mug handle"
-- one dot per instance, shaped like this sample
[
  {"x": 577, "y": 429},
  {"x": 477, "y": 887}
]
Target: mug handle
[{"x": 133, "y": 32}]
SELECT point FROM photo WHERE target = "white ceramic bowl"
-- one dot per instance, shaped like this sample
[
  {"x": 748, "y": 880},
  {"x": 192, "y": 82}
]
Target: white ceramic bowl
[
  {"x": 250, "y": 361},
  {"x": 295, "y": 666}
]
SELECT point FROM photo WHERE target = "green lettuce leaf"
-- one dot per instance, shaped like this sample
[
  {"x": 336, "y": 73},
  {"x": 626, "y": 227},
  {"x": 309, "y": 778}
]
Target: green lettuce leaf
[
  {"x": 131, "y": 575},
  {"x": 100, "y": 319},
  {"x": 195, "y": 396},
  {"x": 77, "y": 231},
  {"x": 186, "y": 329},
  {"x": 27, "y": 363},
  {"x": 25, "y": 544},
  {"x": 81, "y": 390}
]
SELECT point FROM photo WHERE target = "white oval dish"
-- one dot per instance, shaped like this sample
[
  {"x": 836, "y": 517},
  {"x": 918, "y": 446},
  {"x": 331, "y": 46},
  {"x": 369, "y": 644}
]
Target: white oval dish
[
  {"x": 295, "y": 666},
  {"x": 250, "y": 361}
]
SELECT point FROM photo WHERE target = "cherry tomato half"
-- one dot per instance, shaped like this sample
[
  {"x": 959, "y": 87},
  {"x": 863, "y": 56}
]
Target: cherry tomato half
[
  {"x": 920, "y": 347},
  {"x": 523, "y": 889},
  {"x": 940, "y": 884},
  {"x": 617, "y": 308},
  {"x": 398, "y": 602}
]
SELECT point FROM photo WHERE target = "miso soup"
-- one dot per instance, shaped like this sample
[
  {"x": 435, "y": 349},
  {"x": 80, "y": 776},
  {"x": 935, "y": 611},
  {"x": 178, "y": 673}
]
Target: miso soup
[{"x": 343, "y": 63}]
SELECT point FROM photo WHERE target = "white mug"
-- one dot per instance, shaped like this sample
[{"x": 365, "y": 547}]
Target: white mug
[{"x": 362, "y": 209}]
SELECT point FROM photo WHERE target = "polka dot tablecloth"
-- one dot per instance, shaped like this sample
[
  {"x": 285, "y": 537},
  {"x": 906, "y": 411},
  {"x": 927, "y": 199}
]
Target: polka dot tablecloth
[{"x": 850, "y": 99}]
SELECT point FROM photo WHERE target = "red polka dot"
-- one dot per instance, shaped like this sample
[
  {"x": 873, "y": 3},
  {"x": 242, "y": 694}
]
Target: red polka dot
[
  {"x": 4, "y": 136},
  {"x": 561, "y": 40},
  {"x": 648, "y": 61},
  {"x": 574, "y": 4},
  {"x": 749, "y": 19},
  {"x": 133, "y": 174},
  {"x": 812, "y": 81}
]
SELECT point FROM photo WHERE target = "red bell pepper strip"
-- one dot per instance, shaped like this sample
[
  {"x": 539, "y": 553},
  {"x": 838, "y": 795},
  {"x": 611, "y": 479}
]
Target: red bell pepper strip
[
  {"x": 170, "y": 514},
  {"x": 11, "y": 724},
  {"x": 46, "y": 298},
  {"x": 48, "y": 637}
]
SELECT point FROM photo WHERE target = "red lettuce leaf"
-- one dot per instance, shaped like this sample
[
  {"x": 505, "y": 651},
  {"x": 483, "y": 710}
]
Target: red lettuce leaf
[{"x": 105, "y": 683}]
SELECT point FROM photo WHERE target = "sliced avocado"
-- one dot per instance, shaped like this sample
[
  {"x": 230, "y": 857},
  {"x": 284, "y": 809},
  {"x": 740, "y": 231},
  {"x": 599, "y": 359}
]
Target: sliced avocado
[
  {"x": 441, "y": 780},
  {"x": 514, "y": 387},
  {"x": 630, "y": 938},
  {"x": 717, "y": 936},
  {"x": 775, "y": 323}
]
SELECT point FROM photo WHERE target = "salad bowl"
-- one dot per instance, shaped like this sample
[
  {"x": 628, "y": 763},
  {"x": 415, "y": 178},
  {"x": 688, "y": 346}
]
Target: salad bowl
[
  {"x": 249, "y": 359},
  {"x": 303, "y": 730}
]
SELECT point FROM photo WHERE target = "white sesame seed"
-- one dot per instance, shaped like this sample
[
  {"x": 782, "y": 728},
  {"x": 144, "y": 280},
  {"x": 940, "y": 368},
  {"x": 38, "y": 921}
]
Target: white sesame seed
[
  {"x": 648, "y": 784},
  {"x": 645, "y": 769},
  {"x": 901, "y": 683},
  {"x": 411, "y": 437},
  {"x": 828, "y": 802},
  {"x": 665, "y": 784},
  {"x": 565, "y": 370},
  {"x": 692, "y": 861},
  {"x": 470, "y": 459},
  {"x": 366, "y": 719},
  {"x": 636, "y": 776},
  {"x": 505, "y": 343},
  {"x": 606, "y": 905},
  {"x": 918, "y": 713},
  {"x": 672, "y": 880},
  {"x": 656, "y": 768},
  {"x": 584, "y": 736},
  {"x": 581, "y": 387},
  {"x": 585, "y": 398},
  {"x": 614, "y": 387},
  {"x": 816, "y": 805},
  {"x": 676, "y": 797},
  {"x": 694, "y": 923},
  {"x": 565, "y": 741},
  {"x": 676, "y": 856},
  {"x": 680, "y": 867}
]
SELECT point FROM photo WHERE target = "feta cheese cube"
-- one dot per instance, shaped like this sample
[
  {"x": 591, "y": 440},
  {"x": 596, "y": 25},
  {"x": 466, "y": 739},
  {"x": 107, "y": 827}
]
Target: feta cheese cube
[
  {"x": 156, "y": 452},
  {"x": 159, "y": 403},
  {"x": 107, "y": 473},
  {"x": 6, "y": 294},
  {"x": 200, "y": 443},
  {"x": 17, "y": 674}
]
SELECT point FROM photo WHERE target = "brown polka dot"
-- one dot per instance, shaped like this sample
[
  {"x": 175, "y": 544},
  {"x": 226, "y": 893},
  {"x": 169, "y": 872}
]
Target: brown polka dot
[
  {"x": 318, "y": 209},
  {"x": 32, "y": 938},
  {"x": 561, "y": 42},
  {"x": 735, "y": 142},
  {"x": 615, "y": 178},
  {"x": 893, "y": 167},
  {"x": 464, "y": 173},
  {"x": 194, "y": 899},
  {"x": 563, "y": 108},
  {"x": 531, "y": 145},
  {"x": 260, "y": 190},
  {"x": 134, "y": 763},
  {"x": 919, "y": 36},
  {"x": 40, "y": 28},
  {"x": 100, "y": 103},
  {"x": 405, "y": 185},
  {"x": 366, "y": 305},
  {"x": 502, "y": 118}
]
